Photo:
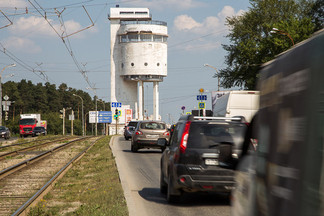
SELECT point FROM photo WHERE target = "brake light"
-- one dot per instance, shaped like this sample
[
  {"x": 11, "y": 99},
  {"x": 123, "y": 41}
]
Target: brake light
[
  {"x": 166, "y": 133},
  {"x": 184, "y": 139},
  {"x": 138, "y": 133}
]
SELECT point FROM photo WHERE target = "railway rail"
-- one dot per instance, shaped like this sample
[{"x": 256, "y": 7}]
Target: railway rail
[
  {"x": 26, "y": 182},
  {"x": 30, "y": 147}
]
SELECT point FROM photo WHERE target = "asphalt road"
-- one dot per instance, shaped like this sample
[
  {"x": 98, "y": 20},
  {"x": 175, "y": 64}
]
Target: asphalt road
[{"x": 140, "y": 177}]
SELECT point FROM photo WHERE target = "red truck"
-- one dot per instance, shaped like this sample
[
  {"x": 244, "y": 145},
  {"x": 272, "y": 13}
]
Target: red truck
[{"x": 28, "y": 122}]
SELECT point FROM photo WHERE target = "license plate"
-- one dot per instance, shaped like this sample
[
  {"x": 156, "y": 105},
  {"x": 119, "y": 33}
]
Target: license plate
[
  {"x": 209, "y": 161},
  {"x": 152, "y": 136}
]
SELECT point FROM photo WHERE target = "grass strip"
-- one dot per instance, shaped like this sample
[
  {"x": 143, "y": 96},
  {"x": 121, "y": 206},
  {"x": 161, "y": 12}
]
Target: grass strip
[{"x": 90, "y": 187}]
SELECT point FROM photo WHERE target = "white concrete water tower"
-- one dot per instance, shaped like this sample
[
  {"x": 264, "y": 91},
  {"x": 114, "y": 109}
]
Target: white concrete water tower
[{"x": 138, "y": 53}]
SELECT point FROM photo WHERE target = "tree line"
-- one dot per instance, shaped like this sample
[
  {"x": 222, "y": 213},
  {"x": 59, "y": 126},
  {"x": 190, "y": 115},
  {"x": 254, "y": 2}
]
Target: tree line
[
  {"x": 49, "y": 100},
  {"x": 266, "y": 29}
]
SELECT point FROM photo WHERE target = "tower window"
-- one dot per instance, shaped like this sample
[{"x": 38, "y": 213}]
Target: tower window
[
  {"x": 132, "y": 64},
  {"x": 123, "y": 38},
  {"x": 145, "y": 37},
  {"x": 145, "y": 64},
  {"x": 133, "y": 37},
  {"x": 158, "y": 64},
  {"x": 157, "y": 38}
]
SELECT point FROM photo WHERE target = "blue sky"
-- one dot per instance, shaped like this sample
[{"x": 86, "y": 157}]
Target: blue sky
[{"x": 196, "y": 31}]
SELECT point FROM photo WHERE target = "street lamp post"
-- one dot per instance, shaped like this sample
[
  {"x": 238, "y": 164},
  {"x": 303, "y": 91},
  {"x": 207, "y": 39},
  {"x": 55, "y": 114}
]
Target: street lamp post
[
  {"x": 12, "y": 65},
  {"x": 82, "y": 113},
  {"x": 96, "y": 117},
  {"x": 275, "y": 30},
  {"x": 217, "y": 72}
]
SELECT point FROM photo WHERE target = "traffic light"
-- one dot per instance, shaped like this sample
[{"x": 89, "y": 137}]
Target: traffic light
[{"x": 116, "y": 114}]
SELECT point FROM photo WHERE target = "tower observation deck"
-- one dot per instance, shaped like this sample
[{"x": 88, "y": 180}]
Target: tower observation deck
[{"x": 138, "y": 55}]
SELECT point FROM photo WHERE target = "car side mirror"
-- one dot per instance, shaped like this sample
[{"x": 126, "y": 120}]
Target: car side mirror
[
  {"x": 162, "y": 142},
  {"x": 225, "y": 157}
]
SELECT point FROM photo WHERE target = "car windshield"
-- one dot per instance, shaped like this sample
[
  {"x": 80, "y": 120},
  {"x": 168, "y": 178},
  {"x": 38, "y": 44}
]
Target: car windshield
[
  {"x": 27, "y": 121},
  {"x": 209, "y": 135},
  {"x": 2, "y": 128},
  {"x": 152, "y": 126}
]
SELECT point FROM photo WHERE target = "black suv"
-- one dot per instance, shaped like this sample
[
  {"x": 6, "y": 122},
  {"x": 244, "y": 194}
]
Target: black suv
[{"x": 201, "y": 155}]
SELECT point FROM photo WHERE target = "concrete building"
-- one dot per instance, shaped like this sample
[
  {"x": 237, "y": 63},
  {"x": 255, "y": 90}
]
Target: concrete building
[{"x": 138, "y": 53}]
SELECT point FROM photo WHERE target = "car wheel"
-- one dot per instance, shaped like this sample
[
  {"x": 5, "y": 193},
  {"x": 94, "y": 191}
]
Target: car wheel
[
  {"x": 163, "y": 185},
  {"x": 126, "y": 138},
  {"x": 134, "y": 148},
  {"x": 173, "y": 195}
]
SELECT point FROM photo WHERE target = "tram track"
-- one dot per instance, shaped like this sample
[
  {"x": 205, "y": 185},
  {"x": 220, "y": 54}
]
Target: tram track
[
  {"x": 31, "y": 147},
  {"x": 22, "y": 183}
]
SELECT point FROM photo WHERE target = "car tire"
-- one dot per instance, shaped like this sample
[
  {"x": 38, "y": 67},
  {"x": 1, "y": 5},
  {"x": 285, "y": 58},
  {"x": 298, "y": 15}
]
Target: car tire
[
  {"x": 162, "y": 149},
  {"x": 172, "y": 197},
  {"x": 163, "y": 185},
  {"x": 126, "y": 138},
  {"x": 134, "y": 148}
]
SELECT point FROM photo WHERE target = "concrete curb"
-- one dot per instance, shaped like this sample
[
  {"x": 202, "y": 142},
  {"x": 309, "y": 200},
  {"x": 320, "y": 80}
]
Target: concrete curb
[{"x": 122, "y": 176}]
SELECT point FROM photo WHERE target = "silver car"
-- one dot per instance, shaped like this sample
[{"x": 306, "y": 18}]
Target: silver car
[{"x": 147, "y": 133}]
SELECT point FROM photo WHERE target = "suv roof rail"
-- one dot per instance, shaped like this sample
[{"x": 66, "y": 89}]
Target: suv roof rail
[{"x": 218, "y": 118}]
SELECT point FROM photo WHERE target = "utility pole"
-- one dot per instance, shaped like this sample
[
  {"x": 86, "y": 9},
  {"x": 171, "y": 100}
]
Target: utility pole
[
  {"x": 96, "y": 116},
  {"x": 63, "y": 111},
  {"x": 12, "y": 65},
  {"x": 72, "y": 117}
]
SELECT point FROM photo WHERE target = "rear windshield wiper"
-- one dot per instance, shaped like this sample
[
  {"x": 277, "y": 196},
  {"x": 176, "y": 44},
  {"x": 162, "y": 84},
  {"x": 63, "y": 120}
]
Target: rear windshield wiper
[{"x": 213, "y": 145}]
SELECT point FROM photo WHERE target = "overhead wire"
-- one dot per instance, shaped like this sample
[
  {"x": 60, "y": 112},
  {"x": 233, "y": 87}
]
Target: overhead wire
[
  {"x": 22, "y": 63},
  {"x": 68, "y": 44}
]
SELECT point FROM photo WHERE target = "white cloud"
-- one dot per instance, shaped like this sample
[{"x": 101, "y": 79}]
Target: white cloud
[
  {"x": 22, "y": 45},
  {"x": 162, "y": 4},
  {"x": 38, "y": 27},
  {"x": 188, "y": 24},
  {"x": 211, "y": 24},
  {"x": 32, "y": 27},
  {"x": 185, "y": 22},
  {"x": 13, "y": 3},
  {"x": 203, "y": 33}
]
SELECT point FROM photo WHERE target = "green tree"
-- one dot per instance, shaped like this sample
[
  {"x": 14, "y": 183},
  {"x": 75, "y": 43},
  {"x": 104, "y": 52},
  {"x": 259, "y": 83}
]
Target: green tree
[
  {"x": 48, "y": 101},
  {"x": 251, "y": 40},
  {"x": 54, "y": 98}
]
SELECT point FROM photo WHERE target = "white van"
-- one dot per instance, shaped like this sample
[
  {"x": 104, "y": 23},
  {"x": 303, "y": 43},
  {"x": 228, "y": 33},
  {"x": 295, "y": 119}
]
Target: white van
[{"x": 237, "y": 103}]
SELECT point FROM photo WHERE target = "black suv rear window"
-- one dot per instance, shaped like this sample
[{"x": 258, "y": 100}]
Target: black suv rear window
[
  {"x": 209, "y": 134},
  {"x": 134, "y": 124}
]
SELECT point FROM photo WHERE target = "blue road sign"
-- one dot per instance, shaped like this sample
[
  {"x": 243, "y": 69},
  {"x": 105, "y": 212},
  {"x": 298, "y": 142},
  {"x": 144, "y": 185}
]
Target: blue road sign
[
  {"x": 104, "y": 116},
  {"x": 201, "y": 105},
  {"x": 116, "y": 104},
  {"x": 201, "y": 97}
]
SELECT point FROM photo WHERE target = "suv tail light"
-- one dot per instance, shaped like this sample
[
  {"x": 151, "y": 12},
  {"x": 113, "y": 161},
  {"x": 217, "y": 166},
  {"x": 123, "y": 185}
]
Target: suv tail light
[
  {"x": 166, "y": 133},
  {"x": 138, "y": 133},
  {"x": 184, "y": 138}
]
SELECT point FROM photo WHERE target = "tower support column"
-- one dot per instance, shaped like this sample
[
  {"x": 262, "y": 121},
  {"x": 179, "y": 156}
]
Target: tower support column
[
  {"x": 156, "y": 100},
  {"x": 140, "y": 103}
]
